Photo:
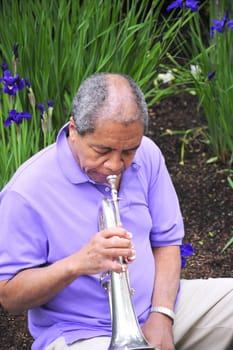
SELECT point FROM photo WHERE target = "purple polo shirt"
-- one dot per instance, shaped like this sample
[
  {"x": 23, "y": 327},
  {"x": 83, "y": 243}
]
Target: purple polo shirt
[{"x": 50, "y": 209}]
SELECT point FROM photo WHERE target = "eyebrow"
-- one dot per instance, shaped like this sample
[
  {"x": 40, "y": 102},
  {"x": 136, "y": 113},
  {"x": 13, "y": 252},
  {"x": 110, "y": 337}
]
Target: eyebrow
[{"x": 106, "y": 148}]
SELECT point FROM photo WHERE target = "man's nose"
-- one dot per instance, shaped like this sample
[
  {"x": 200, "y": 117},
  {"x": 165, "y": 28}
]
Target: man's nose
[{"x": 114, "y": 162}]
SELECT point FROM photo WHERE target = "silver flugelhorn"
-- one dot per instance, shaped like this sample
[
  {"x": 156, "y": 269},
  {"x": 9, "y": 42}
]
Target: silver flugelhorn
[{"x": 126, "y": 331}]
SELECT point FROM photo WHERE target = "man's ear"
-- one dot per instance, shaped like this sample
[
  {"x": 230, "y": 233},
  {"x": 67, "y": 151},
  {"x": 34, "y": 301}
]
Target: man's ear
[
  {"x": 72, "y": 122},
  {"x": 72, "y": 128}
]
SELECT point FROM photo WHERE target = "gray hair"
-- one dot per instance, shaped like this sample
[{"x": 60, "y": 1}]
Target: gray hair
[{"x": 91, "y": 97}]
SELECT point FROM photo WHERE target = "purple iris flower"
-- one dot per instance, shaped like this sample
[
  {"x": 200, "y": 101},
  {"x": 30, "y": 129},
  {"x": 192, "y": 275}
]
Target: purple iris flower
[
  {"x": 27, "y": 82},
  {"x": 230, "y": 24},
  {"x": 42, "y": 110},
  {"x": 16, "y": 117},
  {"x": 50, "y": 103},
  {"x": 11, "y": 83},
  {"x": 220, "y": 25},
  {"x": 185, "y": 250},
  {"x": 211, "y": 75},
  {"x": 189, "y": 4},
  {"x": 15, "y": 50},
  {"x": 4, "y": 66},
  {"x": 175, "y": 4},
  {"x": 192, "y": 5}
]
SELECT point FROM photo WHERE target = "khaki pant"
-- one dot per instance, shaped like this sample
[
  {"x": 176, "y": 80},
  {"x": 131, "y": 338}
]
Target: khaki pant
[{"x": 204, "y": 319}]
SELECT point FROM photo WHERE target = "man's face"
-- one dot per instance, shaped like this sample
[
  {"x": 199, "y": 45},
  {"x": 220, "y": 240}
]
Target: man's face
[{"x": 107, "y": 151}]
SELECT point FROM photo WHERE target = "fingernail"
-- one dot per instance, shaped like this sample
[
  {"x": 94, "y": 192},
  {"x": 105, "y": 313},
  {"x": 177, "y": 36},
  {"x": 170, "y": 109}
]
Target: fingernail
[
  {"x": 130, "y": 235},
  {"x": 130, "y": 259}
]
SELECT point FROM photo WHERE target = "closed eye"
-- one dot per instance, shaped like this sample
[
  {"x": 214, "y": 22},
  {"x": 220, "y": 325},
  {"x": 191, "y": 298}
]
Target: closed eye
[
  {"x": 106, "y": 150},
  {"x": 128, "y": 152},
  {"x": 103, "y": 151}
]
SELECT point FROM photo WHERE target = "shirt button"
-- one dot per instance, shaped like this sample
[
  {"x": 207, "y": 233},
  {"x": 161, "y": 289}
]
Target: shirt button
[{"x": 107, "y": 189}]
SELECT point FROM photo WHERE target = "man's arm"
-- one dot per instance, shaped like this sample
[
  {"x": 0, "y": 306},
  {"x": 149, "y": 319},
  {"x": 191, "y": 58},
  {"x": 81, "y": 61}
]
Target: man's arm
[
  {"x": 158, "y": 327},
  {"x": 35, "y": 286}
]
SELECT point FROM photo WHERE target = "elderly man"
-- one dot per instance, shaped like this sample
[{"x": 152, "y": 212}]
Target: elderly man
[{"x": 53, "y": 252}]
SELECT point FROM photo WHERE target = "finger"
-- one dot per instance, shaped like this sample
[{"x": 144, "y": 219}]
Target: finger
[
  {"x": 116, "y": 231},
  {"x": 118, "y": 267},
  {"x": 130, "y": 259},
  {"x": 116, "y": 252},
  {"x": 119, "y": 242}
]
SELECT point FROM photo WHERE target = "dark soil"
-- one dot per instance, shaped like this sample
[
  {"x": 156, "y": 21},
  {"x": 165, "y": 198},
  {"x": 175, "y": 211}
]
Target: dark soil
[{"x": 205, "y": 197}]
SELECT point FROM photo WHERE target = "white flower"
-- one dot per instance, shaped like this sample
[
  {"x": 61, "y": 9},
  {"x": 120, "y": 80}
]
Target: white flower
[
  {"x": 195, "y": 70},
  {"x": 164, "y": 77}
]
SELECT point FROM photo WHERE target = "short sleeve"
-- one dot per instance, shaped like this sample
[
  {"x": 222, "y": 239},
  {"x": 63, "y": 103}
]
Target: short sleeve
[
  {"x": 167, "y": 221},
  {"x": 23, "y": 243}
]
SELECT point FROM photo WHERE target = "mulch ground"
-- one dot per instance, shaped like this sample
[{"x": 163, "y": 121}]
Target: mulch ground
[{"x": 205, "y": 196}]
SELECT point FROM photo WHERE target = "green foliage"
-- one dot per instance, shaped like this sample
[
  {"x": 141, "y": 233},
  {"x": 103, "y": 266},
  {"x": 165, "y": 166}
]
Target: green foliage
[
  {"x": 228, "y": 244},
  {"x": 21, "y": 138},
  {"x": 230, "y": 179},
  {"x": 205, "y": 69},
  {"x": 63, "y": 42},
  {"x": 188, "y": 138},
  {"x": 215, "y": 94}
]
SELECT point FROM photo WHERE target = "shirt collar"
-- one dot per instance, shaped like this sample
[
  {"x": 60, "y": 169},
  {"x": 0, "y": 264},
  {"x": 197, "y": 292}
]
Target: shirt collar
[{"x": 67, "y": 162}]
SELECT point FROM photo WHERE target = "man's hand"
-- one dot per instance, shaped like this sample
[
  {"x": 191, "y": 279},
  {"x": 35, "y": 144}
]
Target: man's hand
[
  {"x": 100, "y": 253},
  {"x": 158, "y": 331},
  {"x": 158, "y": 327}
]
